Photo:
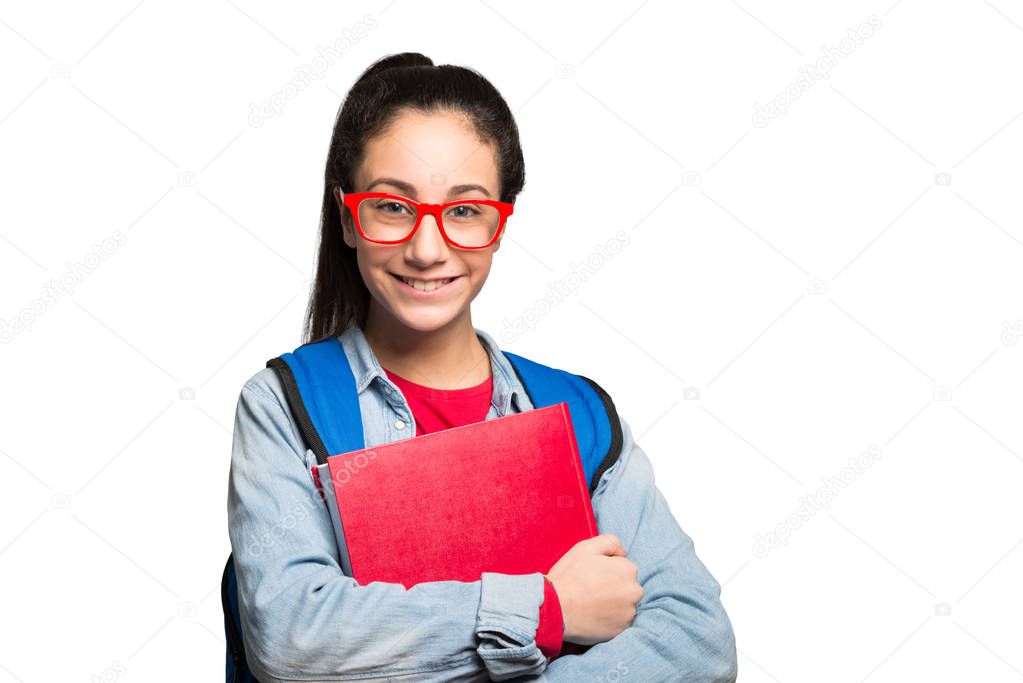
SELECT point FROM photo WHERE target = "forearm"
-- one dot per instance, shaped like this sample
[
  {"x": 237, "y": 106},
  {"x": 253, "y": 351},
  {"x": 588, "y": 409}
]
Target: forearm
[{"x": 327, "y": 627}]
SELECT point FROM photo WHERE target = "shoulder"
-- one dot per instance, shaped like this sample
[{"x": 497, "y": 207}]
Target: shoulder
[{"x": 267, "y": 385}]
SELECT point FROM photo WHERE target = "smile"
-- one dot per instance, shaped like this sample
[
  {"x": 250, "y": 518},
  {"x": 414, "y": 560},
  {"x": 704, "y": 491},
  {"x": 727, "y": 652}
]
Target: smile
[{"x": 424, "y": 286}]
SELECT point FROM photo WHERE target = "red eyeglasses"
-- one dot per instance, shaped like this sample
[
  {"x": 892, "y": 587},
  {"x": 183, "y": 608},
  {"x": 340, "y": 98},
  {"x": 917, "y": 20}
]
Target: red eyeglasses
[{"x": 387, "y": 218}]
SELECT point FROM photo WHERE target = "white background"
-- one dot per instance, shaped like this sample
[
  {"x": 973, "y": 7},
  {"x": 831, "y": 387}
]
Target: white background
[{"x": 844, "y": 278}]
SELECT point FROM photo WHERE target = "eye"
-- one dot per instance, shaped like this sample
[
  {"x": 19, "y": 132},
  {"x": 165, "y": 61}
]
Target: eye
[
  {"x": 464, "y": 211},
  {"x": 391, "y": 206}
]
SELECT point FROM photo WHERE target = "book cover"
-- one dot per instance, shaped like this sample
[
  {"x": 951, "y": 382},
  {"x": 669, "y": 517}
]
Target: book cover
[{"x": 502, "y": 495}]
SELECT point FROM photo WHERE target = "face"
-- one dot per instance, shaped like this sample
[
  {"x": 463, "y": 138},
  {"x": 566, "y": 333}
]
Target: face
[{"x": 429, "y": 158}]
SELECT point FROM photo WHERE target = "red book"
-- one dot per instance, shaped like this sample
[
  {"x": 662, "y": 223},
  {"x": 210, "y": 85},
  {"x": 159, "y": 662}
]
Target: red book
[{"x": 502, "y": 495}]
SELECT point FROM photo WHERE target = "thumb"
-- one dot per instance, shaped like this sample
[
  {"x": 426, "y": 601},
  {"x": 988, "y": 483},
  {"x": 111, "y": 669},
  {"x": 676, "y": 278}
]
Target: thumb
[{"x": 610, "y": 545}]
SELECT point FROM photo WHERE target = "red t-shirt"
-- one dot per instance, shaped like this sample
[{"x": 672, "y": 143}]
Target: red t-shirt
[{"x": 438, "y": 409}]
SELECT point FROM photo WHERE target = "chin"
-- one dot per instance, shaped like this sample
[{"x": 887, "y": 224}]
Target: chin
[{"x": 422, "y": 321}]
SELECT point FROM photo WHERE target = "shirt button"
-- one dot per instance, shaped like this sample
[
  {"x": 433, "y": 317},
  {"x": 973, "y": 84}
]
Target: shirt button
[{"x": 400, "y": 424}]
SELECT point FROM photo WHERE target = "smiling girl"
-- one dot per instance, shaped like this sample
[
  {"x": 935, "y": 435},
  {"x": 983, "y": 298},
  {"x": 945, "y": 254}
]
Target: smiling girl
[{"x": 422, "y": 173}]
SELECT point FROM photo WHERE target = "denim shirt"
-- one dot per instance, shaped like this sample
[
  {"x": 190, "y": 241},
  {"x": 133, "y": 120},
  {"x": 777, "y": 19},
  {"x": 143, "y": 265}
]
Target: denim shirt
[{"x": 302, "y": 619}]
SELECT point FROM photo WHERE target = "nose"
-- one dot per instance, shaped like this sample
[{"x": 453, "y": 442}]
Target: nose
[{"x": 427, "y": 245}]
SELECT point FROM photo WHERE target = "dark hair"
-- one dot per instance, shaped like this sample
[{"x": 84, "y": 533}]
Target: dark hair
[{"x": 396, "y": 83}]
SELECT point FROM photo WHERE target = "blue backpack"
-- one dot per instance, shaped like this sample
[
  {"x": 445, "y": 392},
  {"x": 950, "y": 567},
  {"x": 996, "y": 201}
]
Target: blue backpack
[{"x": 321, "y": 394}]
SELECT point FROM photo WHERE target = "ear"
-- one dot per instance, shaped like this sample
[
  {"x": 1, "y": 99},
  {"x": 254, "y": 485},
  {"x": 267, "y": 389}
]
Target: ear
[{"x": 347, "y": 229}]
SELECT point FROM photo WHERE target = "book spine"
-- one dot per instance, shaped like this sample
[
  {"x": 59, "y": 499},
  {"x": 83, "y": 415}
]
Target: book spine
[
  {"x": 330, "y": 496},
  {"x": 577, "y": 464}
]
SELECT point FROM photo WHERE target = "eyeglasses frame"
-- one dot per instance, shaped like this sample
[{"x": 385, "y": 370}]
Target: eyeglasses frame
[{"x": 352, "y": 200}]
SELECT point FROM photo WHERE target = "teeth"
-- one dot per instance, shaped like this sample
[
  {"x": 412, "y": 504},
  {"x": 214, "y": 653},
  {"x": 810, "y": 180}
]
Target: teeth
[{"x": 425, "y": 286}]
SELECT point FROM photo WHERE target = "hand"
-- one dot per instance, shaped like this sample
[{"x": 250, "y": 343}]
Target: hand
[{"x": 597, "y": 588}]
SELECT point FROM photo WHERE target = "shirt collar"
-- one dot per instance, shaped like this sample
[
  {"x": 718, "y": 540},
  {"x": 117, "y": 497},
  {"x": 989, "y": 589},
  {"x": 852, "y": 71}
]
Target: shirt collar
[{"x": 366, "y": 367}]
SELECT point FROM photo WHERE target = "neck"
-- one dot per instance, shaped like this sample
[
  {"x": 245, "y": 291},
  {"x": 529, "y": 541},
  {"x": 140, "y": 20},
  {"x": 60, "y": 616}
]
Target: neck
[{"x": 450, "y": 357}]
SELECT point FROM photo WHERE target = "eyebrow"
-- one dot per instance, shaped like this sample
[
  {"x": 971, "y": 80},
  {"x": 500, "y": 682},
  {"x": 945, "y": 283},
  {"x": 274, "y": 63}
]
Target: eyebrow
[{"x": 410, "y": 190}]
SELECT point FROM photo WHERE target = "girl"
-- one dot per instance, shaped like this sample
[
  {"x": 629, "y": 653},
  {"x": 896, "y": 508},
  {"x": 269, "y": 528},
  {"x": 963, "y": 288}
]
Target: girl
[{"x": 395, "y": 286}]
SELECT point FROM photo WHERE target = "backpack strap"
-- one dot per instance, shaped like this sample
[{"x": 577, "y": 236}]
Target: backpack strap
[
  {"x": 595, "y": 421},
  {"x": 321, "y": 393}
]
